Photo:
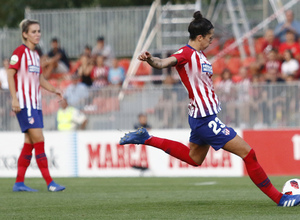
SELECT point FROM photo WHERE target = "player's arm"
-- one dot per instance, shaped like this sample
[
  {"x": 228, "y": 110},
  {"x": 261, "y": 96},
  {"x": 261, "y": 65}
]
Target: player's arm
[
  {"x": 46, "y": 85},
  {"x": 157, "y": 62},
  {"x": 12, "y": 88}
]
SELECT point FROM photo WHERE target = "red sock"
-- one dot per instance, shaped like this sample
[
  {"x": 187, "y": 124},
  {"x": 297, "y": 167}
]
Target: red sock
[
  {"x": 260, "y": 178},
  {"x": 42, "y": 161},
  {"x": 174, "y": 148},
  {"x": 24, "y": 161}
]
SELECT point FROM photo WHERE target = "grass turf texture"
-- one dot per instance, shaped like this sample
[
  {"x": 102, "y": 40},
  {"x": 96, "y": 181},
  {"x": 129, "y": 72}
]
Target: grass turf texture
[{"x": 143, "y": 198}]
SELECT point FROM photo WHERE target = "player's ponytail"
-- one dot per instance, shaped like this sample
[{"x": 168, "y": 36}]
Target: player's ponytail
[
  {"x": 199, "y": 26},
  {"x": 24, "y": 26}
]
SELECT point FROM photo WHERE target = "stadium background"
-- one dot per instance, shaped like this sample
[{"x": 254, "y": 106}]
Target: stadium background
[{"x": 95, "y": 152}]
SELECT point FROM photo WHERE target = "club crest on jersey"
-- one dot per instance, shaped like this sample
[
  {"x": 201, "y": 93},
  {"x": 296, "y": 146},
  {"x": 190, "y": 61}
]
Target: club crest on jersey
[
  {"x": 179, "y": 51},
  {"x": 31, "y": 120},
  {"x": 33, "y": 69},
  {"x": 226, "y": 131},
  {"x": 207, "y": 68}
]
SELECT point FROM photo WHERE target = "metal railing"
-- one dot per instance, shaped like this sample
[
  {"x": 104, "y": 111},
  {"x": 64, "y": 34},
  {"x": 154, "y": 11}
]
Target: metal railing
[
  {"x": 77, "y": 27},
  {"x": 256, "y": 106},
  {"x": 120, "y": 26},
  {"x": 10, "y": 38}
]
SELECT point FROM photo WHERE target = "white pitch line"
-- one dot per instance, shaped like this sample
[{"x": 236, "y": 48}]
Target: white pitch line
[{"x": 206, "y": 183}]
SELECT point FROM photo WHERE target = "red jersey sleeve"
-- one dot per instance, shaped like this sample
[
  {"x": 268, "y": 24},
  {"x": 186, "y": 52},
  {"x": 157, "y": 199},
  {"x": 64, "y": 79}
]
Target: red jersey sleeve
[
  {"x": 181, "y": 55},
  {"x": 15, "y": 59}
]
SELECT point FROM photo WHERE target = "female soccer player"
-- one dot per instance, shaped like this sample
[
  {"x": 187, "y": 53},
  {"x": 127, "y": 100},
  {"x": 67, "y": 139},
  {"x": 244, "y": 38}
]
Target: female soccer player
[
  {"x": 207, "y": 129},
  {"x": 25, "y": 78}
]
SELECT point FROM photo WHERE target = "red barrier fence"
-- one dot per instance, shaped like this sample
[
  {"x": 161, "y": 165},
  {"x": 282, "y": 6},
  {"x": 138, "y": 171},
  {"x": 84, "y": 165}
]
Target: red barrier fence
[{"x": 278, "y": 151}]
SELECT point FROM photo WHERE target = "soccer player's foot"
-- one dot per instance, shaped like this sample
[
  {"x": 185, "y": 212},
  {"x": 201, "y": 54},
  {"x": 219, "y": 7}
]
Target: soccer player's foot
[
  {"x": 54, "y": 187},
  {"x": 289, "y": 200},
  {"x": 136, "y": 137},
  {"x": 21, "y": 187}
]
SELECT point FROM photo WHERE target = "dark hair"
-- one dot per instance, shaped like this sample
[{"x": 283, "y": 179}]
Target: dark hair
[
  {"x": 142, "y": 114},
  {"x": 224, "y": 71},
  {"x": 100, "y": 38},
  {"x": 290, "y": 52},
  {"x": 199, "y": 26},
  {"x": 87, "y": 46},
  {"x": 274, "y": 50},
  {"x": 54, "y": 39}
]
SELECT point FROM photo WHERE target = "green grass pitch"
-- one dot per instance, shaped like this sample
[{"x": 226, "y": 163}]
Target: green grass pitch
[{"x": 143, "y": 198}]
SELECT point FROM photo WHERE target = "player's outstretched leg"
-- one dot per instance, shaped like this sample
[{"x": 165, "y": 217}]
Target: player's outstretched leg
[
  {"x": 289, "y": 200},
  {"x": 260, "y": 178},
  {"x": 21, "y": 187},
  {"x": 54, "y": 187},
  {"x": 174, "y": 148}
]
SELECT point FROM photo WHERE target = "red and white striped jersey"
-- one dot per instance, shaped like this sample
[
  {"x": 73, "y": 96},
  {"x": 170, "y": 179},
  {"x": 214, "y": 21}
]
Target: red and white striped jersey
[
  {"x": 27, "y": 64},
  {"x": 195, "y": 72}
]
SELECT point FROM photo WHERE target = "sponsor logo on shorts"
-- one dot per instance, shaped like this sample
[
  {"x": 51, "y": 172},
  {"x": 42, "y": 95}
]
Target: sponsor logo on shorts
[
  {"x": 226, "y": 131},
  {"x": 31, "y": 120}
]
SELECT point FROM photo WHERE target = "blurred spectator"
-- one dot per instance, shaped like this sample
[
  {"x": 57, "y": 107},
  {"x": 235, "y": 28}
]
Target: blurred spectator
[
  {"x": 273, "y": 61},
  {"x": 227, "y": 94},
  {"x": 85, "y": 69},
  {"x": 77, "y": 93},
  {"x": 258, "y": 79},
  {"x": 225, "y": 86},
  {"x": 44, "y": 60},
  {"x": 100, "y": 73},
  {"x": 259, "y": 106},
  {"x": 116, "y": 73},
  {"x": 290, "y": 44},
  {"x": 142, "y": 122},
  {"x": 87, "y": 50},
  {"x": 243, "y": 97},
  {"x": 273, "y": 76},
  {"x": 3, "y": 75},
  {"x": 270, "y": 42},
  {"x": 70, "y": 118},
  {"x": 244, "y": 79},
  {"x": 290, "y": 66},
  {"x": 57, "y": 60},
  {"x": 289, "y": 25},
  {"x": 166, "y": 104},
  {"x": 276, "y": 97},
  {"x": 258, "y": 65},
  {"x": 290, "y": 78},
  {"x": 101, "y": 48}
]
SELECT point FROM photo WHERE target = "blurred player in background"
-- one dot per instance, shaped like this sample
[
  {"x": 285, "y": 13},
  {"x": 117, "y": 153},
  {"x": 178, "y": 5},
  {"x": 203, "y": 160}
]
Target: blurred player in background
[
  {"x": 25, "y": 78},
  {"x": 207, "y": 129}
]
